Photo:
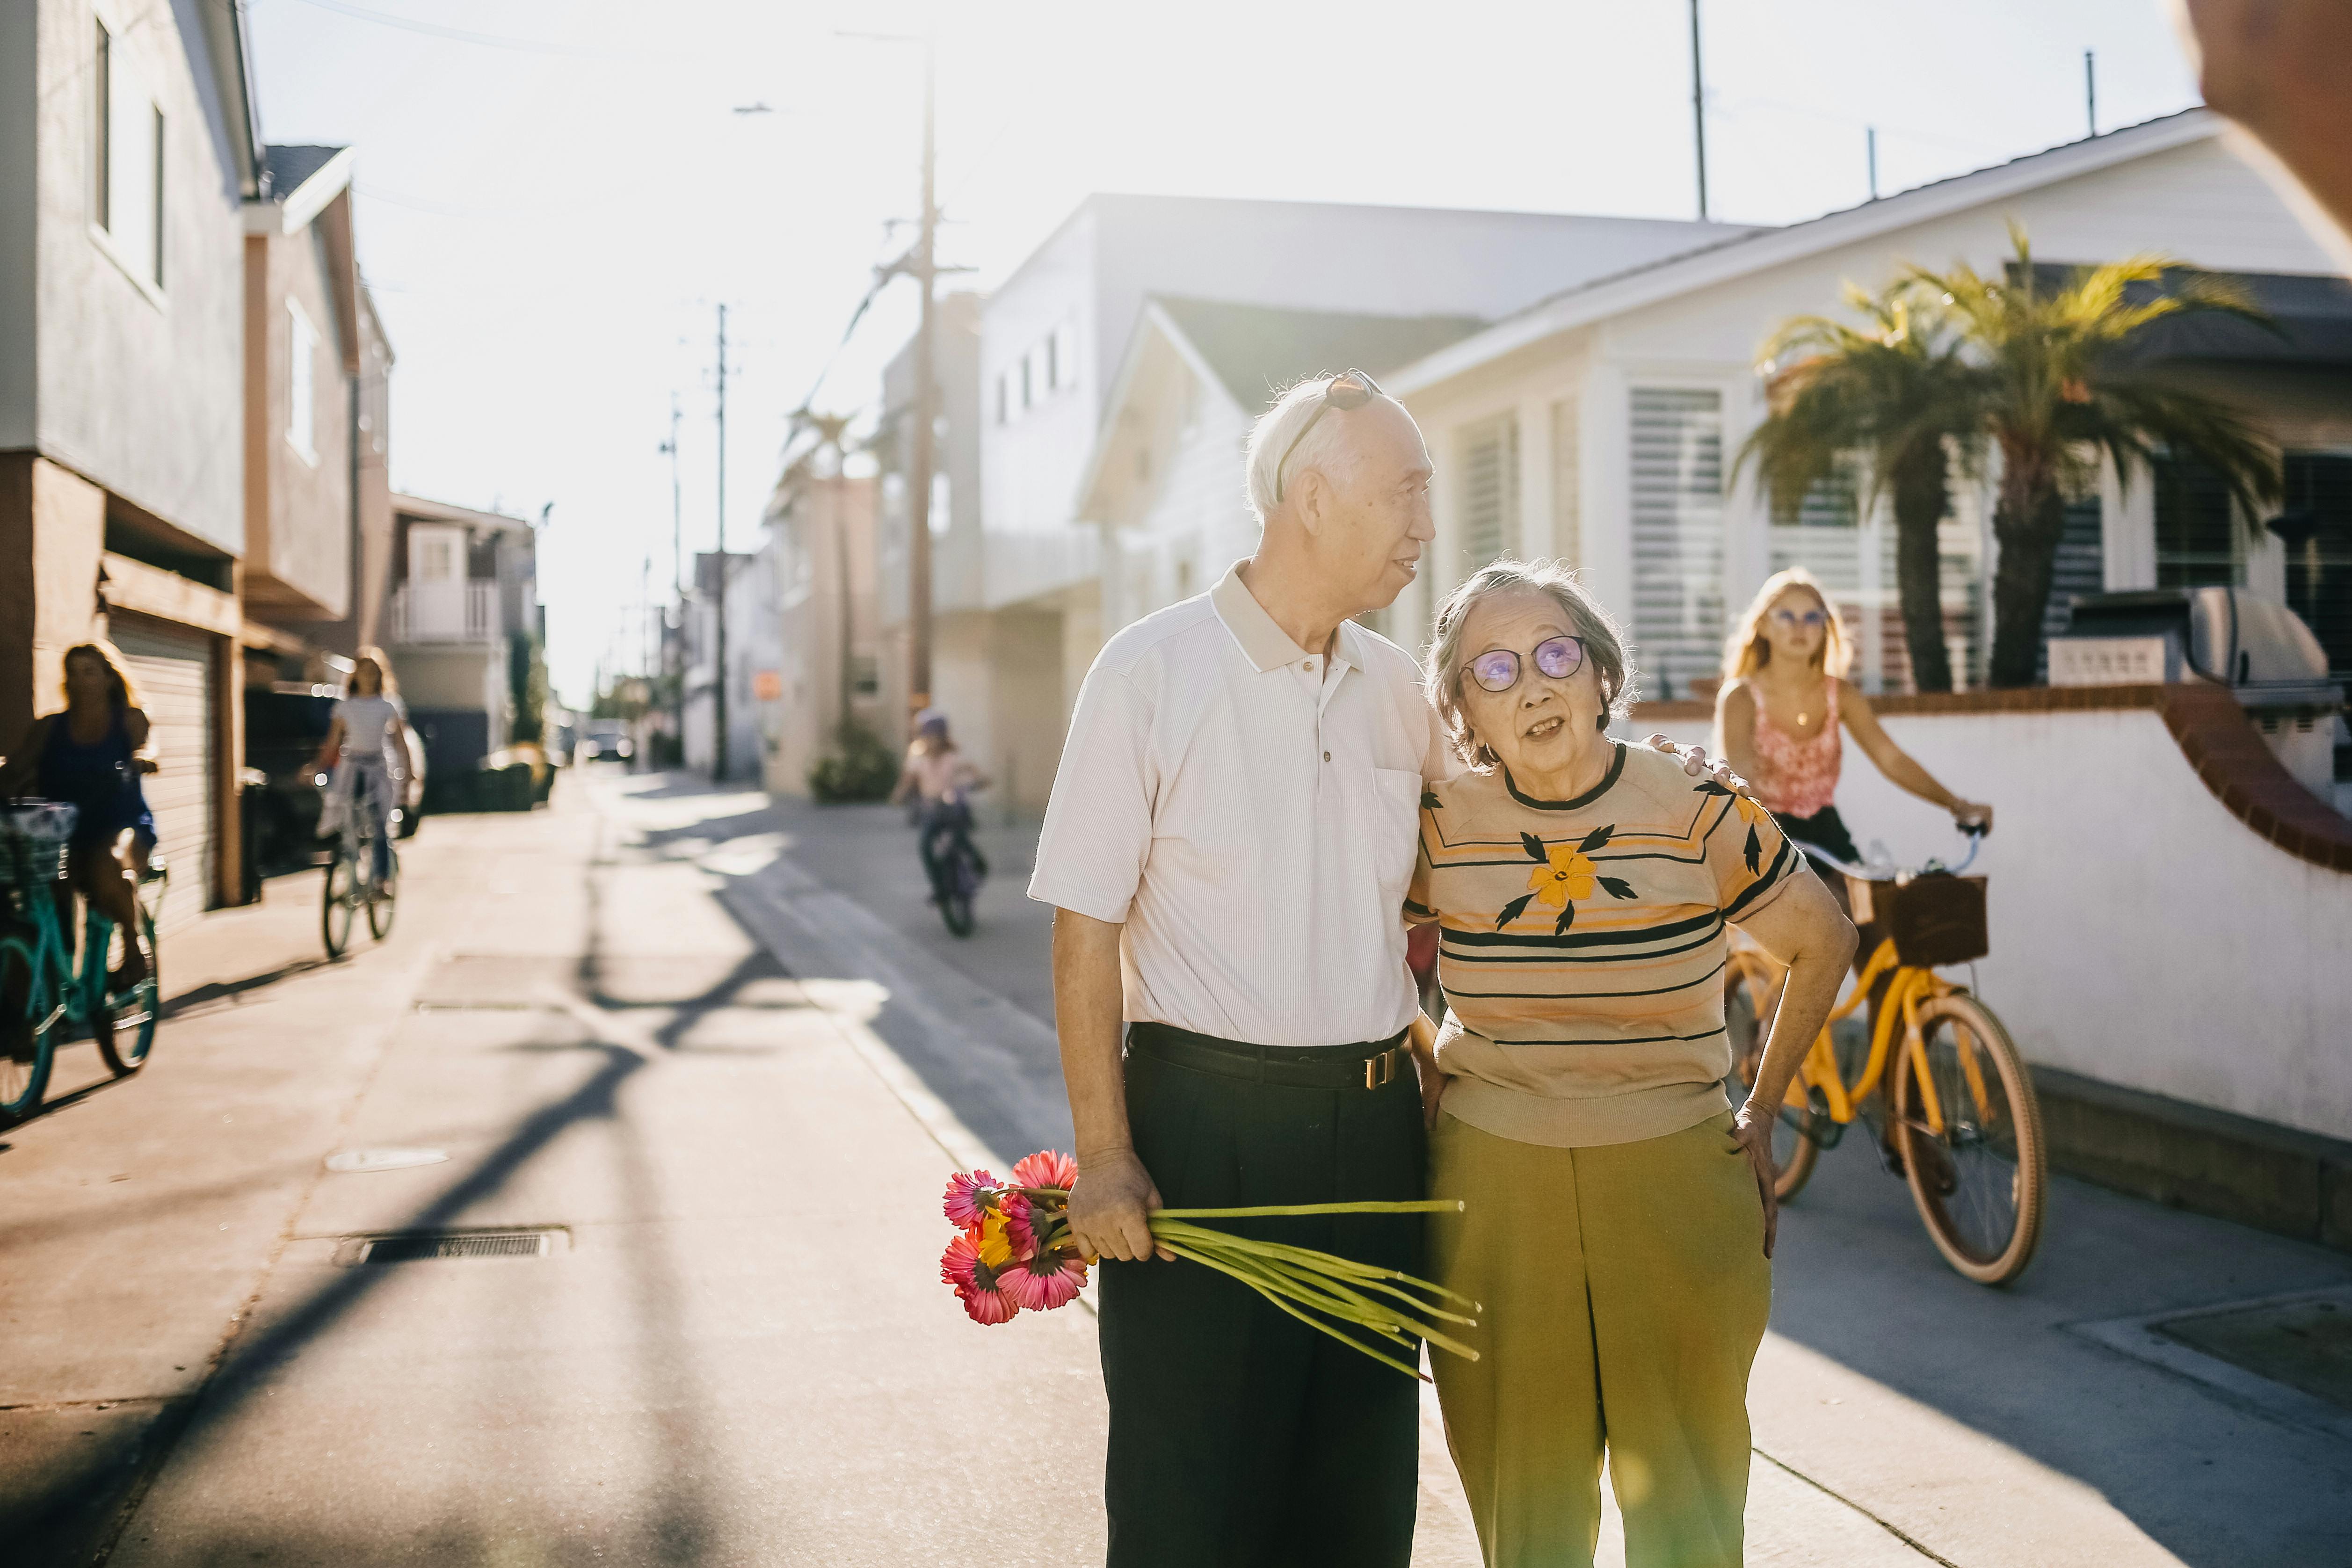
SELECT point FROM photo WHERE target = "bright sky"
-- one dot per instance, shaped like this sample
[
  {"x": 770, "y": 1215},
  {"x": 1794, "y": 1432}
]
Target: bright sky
[{"x": 554, "y": 196}]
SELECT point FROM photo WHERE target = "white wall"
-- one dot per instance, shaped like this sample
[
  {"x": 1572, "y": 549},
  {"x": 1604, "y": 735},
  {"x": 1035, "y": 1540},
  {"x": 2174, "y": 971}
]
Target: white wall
[
  {"x": 137, "y": 389},
  {"x": 19, "y": 29},
  {"x": 2141, "y": 934}
]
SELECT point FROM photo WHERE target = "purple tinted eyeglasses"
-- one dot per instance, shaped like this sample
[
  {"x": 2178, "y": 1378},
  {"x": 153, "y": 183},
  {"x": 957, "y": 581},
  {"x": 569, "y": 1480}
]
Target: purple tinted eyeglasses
[
  {"x": 1810, "y": 619},
  {"x": 1497, "y": 670}
]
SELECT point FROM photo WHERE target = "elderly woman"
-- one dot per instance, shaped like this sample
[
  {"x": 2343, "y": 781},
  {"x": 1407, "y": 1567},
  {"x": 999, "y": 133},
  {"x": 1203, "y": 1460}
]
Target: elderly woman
[{"x": 1619, "y": 1216}]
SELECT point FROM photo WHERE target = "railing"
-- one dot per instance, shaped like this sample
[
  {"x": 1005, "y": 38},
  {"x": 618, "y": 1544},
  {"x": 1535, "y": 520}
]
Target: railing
[{"x": 455, "y": 611}]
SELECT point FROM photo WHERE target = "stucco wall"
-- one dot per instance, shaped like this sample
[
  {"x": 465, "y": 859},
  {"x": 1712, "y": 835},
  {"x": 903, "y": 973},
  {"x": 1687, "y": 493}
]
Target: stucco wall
[
  {"x": 19, "y": 29},
  {"x": 136, "y": 389},
  {"x": 2142, "y": 935},
  {"x": 299, "y": 519}
]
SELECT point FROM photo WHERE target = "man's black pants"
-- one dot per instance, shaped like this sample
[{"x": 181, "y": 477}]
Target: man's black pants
[{"x": 1241, "y": 1437}]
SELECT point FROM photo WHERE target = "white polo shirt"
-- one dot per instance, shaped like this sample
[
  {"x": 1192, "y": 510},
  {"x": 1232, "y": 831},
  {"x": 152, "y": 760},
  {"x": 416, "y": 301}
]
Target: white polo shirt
[{"x": 1251, "y": 817}]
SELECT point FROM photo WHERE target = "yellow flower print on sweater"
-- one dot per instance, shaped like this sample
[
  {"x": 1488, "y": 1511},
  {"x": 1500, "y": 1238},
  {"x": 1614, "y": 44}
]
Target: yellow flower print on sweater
[
  {"x": 1753, "y": 813},
  {"x": 1563, "y": 876}
]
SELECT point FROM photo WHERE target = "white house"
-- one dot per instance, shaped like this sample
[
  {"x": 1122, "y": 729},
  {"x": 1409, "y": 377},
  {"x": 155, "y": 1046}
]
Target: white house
[{"x": 1616, "y": 407}]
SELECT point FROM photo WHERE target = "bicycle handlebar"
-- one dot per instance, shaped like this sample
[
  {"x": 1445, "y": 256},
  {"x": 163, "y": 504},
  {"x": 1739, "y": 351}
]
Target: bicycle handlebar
[{"x": 1974, "y": 832}]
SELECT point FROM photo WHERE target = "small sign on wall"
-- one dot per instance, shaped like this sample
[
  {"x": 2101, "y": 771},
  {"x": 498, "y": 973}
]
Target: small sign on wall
[{"x": 2110, "y": 661}]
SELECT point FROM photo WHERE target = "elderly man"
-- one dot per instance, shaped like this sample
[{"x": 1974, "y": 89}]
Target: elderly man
[{"x": 1228, "y": 847}]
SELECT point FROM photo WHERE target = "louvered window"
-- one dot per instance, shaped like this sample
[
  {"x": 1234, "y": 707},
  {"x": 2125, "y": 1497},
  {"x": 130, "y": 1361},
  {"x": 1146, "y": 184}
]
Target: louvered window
[
  {"x": 1487, "y": 464},
  {"x": 1677, "y": 535},
  {"x": 1854, "y": 555},
  {"x": 2319, "y": 564},
  {"x": 1567, "y": 476},
  {"x": 2080, "y": 569},
  {"x": 2197, "y": 544}
]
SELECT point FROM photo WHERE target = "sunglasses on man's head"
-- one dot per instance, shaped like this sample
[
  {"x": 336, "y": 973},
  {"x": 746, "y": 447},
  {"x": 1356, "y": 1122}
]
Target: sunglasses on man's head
[
  {"x": 1812, "y": 619},
  {"x": 1349, "y": 390},
  {"x": 1497, "y": 670}
]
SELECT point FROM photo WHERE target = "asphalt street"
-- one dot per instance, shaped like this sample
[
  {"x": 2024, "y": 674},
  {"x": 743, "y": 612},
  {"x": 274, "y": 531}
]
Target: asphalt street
[{"x": 710, "y": 1057}]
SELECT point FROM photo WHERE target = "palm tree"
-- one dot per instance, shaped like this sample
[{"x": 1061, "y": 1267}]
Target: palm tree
[
  {"x": 2056, "y": 390},
  {"x": 1892, "y": 392}
]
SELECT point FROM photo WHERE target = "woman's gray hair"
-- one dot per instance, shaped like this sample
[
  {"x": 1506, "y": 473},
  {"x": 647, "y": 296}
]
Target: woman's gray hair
[
  {"x": 1604, "y": 646},
  {"x": 1271, "y": 436}
]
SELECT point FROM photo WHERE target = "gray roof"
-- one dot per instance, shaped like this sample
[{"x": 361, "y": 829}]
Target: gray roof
[
  {"x": 1258, "y": 350},
  {"x": 289, "y": 167}
]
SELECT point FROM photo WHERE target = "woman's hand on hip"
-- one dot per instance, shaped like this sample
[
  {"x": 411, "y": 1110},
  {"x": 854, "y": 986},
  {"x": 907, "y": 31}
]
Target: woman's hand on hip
[
  {"x": 1755, "y": 1135},
  {"x": 1110, "y": 1208}
]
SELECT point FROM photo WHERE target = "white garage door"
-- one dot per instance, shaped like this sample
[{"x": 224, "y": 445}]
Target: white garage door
[{"x": 174, "y": 672}]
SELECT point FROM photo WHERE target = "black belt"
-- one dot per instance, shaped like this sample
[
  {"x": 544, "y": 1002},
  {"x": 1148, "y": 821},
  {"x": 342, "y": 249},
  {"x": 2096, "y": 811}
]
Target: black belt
[{"x": 1373, "y": 1065}]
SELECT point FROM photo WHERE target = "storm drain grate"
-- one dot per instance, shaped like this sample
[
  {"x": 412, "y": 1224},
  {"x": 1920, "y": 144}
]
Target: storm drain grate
[{"x": 429, "y": 1246}]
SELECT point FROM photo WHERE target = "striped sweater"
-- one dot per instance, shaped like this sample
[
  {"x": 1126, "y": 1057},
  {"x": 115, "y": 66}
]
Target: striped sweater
[{"x": 1582, "y": 946}]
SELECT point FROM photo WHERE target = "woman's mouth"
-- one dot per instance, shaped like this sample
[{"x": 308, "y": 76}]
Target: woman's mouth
[{"x": 1543, "y": 729}]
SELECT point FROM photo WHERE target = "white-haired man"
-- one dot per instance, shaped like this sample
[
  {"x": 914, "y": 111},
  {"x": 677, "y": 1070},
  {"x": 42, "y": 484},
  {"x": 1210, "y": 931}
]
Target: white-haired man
[{"x": 1229, "y": 843}]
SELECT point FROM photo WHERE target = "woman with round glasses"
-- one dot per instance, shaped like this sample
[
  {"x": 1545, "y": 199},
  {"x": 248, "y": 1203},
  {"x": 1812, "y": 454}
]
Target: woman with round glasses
[
  {"x": 1618, "y": 1217},
  {"x": 1777, "y": 717}
]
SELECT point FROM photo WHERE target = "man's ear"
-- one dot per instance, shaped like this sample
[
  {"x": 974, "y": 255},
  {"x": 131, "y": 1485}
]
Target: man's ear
[{"x": 1310, "y": 495}]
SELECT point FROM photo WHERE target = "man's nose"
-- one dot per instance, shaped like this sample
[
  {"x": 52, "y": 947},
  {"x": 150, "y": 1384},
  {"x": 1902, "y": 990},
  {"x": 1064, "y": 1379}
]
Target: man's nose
[{"x": 1425, "y": 525}]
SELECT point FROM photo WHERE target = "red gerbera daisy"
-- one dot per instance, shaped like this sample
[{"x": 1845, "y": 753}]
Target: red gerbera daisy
[
  {"x": 969, "y": 1198},
  {"x": 1045, "y": 1168},
  {"x": 1047, "y": 1280},
  {"x": 977, "y": 1285}
]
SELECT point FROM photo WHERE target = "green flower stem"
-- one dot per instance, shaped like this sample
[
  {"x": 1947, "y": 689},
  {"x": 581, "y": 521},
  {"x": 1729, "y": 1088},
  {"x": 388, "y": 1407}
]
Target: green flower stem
[
  {"x": 1324, "y": 1261},
  {"x": 1306, "y": 1290},
  {"x": 1412, "y": 1371},
  {"x": 1364, "y": 1304},
  {"x": 1415, "y": 1206}
]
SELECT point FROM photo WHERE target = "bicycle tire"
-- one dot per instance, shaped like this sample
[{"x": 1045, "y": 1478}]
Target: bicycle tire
[
  {"x": 1994, "y": 1161},
  {"x": 385, "y": 904},
  {"x": 335, "y": 905},
  {"x": 27, "y": 1052},
  {"x": 140, "y": 1007},
  {"x": 1747, "y": 981}
]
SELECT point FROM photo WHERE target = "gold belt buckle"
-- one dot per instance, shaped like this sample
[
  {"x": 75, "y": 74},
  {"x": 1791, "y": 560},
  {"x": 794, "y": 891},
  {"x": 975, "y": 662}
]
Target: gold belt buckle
[{"x": 1381, "y": 1070}]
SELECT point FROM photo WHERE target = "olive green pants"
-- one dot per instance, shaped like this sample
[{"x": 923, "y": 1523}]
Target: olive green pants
[{"x": 1625, "y": 1290}]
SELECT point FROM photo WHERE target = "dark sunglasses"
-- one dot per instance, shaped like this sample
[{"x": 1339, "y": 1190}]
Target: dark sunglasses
[
  {"x": 1809, "y": 618},
  {"x": 1497, "y": 670},
  {"x": 1351, "y": 389}
]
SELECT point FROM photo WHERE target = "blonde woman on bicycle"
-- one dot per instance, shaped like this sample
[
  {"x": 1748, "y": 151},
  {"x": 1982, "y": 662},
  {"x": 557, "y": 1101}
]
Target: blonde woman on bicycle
[
  {"x": 367, "y": 749},
  {"x": 1781, "y": 705}
]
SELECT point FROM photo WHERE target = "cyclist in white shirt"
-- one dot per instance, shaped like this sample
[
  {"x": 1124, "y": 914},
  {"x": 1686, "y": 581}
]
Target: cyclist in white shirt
[
  {"x": 939, "y": 778},
  {"x": 367, "y": 746}
]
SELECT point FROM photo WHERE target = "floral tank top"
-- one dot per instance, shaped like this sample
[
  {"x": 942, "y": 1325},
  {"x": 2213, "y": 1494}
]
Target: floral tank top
[{"x": 1800, "y": 775}]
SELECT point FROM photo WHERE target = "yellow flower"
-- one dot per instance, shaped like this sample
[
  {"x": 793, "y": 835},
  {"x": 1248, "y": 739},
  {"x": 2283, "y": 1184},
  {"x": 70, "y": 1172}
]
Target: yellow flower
[
  {"x": 1566, "y": 874},
  {"x": 1750, "y": 812},
  {"x": 995, "y": 1250}
]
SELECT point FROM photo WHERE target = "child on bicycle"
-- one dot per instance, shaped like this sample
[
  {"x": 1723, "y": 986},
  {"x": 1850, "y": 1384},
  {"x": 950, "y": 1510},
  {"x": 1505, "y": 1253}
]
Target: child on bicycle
[
  {"x": 938, "y": 777},
  {"x": 92, "y": 756},
  {"x": 367, "y": 747}
]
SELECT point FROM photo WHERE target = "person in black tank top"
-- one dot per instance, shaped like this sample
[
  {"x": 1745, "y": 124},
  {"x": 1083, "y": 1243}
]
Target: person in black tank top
[{"x": 92, "y": 756}]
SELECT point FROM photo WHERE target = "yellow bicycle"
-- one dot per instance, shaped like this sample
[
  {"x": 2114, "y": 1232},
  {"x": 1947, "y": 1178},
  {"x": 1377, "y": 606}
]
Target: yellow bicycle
[{"x": 1958, "y": 1116}]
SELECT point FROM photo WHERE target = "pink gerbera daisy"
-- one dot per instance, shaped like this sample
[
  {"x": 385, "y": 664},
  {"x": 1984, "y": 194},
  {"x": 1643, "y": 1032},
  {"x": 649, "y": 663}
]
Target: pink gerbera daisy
[
  {"x": 1047, "y": 1280},
  {"x": 972, "y": 1197},
  {"x": 1046, "y": 1168},
  {"x": 977, "y": 1285},
  {"x": 1021, "y": 1224}
]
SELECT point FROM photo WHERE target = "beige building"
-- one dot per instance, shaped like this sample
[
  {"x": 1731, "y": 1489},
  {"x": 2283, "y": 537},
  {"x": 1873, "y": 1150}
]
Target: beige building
[{"x": 818, "y": 655}]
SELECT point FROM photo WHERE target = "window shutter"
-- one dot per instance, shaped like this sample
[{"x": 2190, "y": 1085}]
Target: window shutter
[
  {"x": 1677, "y": 534},
  {"x": 1488, "y": 490}
]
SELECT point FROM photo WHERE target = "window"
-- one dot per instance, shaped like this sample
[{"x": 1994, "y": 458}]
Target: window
[
  {"x": 1064, "y": 349},
  {"x": 2197, "y": 542},
  {"x": 1029, "y": 387},
  {"x": 2317, "y": 523},
  {"x": 301, "y": 388},
  {"x": 1004, "y": 399},
  {"x": 1054, "y": 371},
  {"x": 126, "y": 172},
  {"x": 1566, "y": 477},
  {"x": 1487, "y": 490},
  {"x": 864, "y": 675},
  {"x": 1677, "y": 473}
]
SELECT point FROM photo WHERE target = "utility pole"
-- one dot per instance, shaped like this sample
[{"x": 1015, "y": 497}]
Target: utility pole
[
  {"x": 1872, "y": 133},
  {"x": 1698, "y": 110},
  {"x": 921, "y": 457},
  {"x": 718, "y": 609},
  {"x": 2091, "y": 89},
  {"x": 674, "y": 651}
]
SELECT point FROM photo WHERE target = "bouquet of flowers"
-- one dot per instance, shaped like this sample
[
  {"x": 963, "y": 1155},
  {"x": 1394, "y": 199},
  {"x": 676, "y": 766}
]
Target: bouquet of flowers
[{"x": 1013, "y": 1251}]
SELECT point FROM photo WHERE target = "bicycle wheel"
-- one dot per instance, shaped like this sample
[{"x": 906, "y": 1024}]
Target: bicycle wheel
[
  {"x": 384, "y": 903},
  {"x": 29, "y": 1036},
  {"x": 1981, "y": 1185},
  {"x": 1747, "y": 984},
  {"x": 340, "y": 900},
  {"x": 134, "y": 1013}
]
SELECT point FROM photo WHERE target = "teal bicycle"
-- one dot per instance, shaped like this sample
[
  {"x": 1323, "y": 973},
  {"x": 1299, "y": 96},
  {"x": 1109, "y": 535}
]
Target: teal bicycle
[{"x": 44, "y": 993}]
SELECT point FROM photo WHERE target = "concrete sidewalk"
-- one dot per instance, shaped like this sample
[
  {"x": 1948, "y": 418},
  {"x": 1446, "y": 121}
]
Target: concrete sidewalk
[{"x": 739, "y": 1350}]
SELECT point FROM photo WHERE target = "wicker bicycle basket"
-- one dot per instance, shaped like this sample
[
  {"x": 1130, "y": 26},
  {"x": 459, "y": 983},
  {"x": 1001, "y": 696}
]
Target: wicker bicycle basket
[
  {"x": 1934, "y": 920},
  {"x": 33, "y": 839}
]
